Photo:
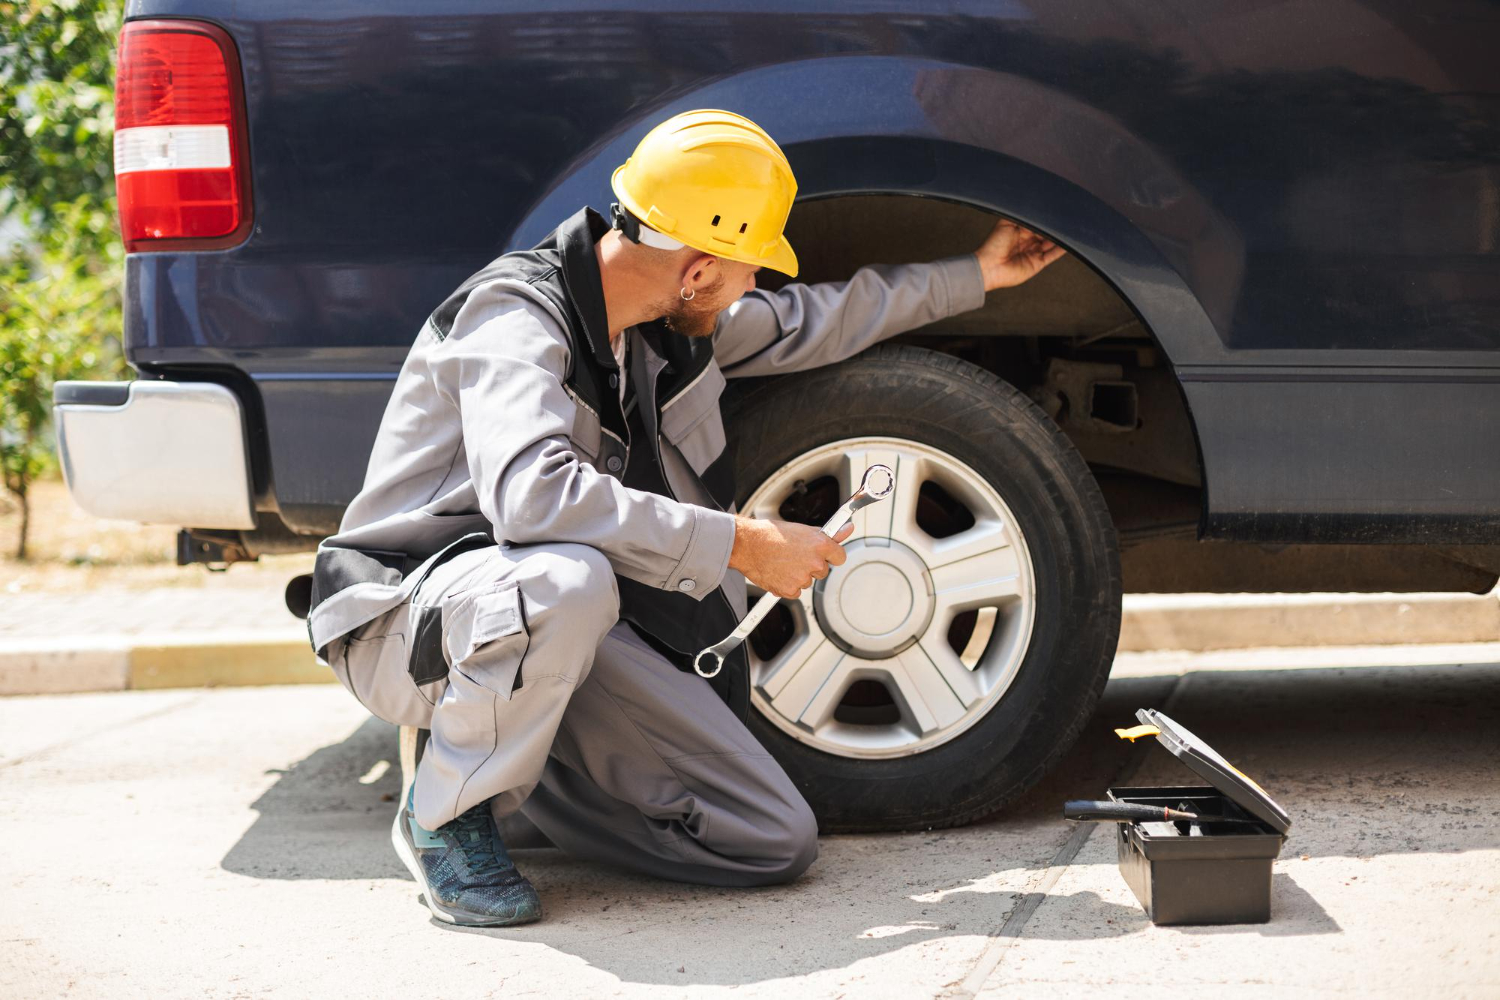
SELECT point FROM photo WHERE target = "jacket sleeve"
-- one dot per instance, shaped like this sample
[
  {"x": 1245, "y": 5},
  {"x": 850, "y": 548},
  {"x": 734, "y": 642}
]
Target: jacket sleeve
[
  {"x": 503, "y": 367},
  {"x": 804, "y": 326}
]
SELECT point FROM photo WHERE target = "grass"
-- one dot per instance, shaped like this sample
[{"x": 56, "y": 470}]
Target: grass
[{"x": 69, "y": 550}]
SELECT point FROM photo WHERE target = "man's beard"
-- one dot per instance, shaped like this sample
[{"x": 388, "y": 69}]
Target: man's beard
[{"x": 694, "y": 317}]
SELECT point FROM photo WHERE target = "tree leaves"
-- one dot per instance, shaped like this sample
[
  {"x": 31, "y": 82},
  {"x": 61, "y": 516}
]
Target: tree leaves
[
  {"x": 57, "y": 61},
  {"x": 60, "y": 305}
]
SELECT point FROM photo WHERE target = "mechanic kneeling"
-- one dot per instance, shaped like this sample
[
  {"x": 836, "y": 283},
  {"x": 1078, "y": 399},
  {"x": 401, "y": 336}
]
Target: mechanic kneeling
[{"x": 542, "y": 540}]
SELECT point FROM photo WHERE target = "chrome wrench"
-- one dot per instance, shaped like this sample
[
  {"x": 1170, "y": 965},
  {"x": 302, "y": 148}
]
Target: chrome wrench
[{"x": 878, "y": 483}]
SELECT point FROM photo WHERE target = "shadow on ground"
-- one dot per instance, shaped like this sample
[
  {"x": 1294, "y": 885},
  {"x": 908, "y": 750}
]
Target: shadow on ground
[{"x": 1367, "y": 760}]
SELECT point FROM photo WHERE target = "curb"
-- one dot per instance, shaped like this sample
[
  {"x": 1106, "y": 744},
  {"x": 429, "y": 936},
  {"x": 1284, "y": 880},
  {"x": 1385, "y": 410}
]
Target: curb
[
  {"x": 1151, "y": 622},
  {"x": 1202, "y": 622},
  {"x": 240, "y": 658}
]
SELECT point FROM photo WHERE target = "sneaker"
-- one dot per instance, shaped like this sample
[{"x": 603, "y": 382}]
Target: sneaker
[{"x": 462, "y": 865}]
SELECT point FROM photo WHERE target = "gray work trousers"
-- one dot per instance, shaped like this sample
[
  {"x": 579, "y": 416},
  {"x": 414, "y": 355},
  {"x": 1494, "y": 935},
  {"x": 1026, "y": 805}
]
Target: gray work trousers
[{"x": 555, "y": 708}]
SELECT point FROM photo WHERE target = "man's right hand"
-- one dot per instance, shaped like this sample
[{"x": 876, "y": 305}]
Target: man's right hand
[{"x": 783, "y": 557}]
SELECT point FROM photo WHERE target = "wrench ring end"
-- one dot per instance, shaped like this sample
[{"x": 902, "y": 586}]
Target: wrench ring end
[
  {"x": 712, "y": 657},
  {"x": 878, "y": 482}
]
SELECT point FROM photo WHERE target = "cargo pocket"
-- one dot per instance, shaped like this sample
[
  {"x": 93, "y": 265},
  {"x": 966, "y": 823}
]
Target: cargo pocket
[{"x": 485, "y": 637}]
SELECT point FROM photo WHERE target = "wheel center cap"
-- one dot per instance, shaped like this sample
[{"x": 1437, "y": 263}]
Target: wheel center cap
[
  {"x": 879, "y": 602},
  {"x": 875, "y": 595}
]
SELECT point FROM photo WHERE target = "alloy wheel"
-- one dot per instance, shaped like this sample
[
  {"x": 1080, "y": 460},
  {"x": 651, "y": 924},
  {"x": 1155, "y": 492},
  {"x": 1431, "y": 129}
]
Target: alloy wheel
[{"x": 921, "y": 632}]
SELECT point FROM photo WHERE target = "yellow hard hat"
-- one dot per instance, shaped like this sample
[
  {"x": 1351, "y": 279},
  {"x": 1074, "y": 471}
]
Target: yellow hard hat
[{"x": 715, "y": 181}]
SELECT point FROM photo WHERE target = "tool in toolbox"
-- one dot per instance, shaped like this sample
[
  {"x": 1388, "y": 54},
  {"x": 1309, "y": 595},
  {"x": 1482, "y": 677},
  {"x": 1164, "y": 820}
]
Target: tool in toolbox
[
  {"x": 1193, "y": 854},
  {"x": 1105, "y": 811},
  {"x": 878, "y": 483}
]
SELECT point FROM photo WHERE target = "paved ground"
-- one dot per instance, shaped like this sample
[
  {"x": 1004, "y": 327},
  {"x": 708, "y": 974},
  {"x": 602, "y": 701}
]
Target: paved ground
[
  {"x": 232, "y": 843},
  {"x": 120, "y": 611},
  {"x": 252, "y": 597}
]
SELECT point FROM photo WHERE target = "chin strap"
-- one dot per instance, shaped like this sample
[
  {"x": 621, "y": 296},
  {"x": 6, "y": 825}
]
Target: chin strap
[{"x": 638, "y": 232}]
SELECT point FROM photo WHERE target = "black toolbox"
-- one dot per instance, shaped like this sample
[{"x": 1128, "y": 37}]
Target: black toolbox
[{"x": 1209, "y": 872}]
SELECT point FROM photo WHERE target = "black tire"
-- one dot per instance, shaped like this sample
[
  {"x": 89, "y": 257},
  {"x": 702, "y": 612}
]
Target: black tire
[{"x": 951, "y": 405}]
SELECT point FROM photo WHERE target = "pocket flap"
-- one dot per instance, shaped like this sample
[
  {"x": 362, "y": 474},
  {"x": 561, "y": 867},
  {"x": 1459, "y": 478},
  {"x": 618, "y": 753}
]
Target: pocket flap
[
  {"x": 586, "y": 435},
  {"x": 687, "y": 409},
  {"x": 481, "y": 616}
]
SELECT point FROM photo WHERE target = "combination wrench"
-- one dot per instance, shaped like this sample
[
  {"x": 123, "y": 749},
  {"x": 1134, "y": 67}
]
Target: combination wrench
[{"x": 878, "y": 483}]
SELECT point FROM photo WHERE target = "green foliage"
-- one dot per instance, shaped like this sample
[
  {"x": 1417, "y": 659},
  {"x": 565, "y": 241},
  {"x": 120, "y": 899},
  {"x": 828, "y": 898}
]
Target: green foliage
[
  {"x": 60, "y": 309},
  {"x": 57, "y": 67},
  {"x": 60, "y": 320}
]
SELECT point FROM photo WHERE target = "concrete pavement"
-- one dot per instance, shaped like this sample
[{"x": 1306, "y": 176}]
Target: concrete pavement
[{"x": 232, "y": 843}]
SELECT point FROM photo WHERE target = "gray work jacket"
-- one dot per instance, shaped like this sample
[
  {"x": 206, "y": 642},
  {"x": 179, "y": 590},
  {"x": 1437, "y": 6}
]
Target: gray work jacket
[{"x": 481, "y": 434}]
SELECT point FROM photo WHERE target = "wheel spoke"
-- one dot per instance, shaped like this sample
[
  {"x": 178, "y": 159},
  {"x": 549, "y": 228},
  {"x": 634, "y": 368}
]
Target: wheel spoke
[
  {"x": 818, "y": 711},
  {"x": 965, "y": 685},
  {"x": 985, "y": 580},
  {"x": 899, "y": 516},
  {"x": 799, "y": 673},
  {"x": 927, "y": 700},
  {"x": 989, "y": 534},
  {"x": 874, "y": 520}
]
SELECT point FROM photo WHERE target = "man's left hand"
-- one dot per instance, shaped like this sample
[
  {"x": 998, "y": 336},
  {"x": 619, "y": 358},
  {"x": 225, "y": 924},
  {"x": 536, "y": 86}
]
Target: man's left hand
[{"x": 1012, "y": 254}]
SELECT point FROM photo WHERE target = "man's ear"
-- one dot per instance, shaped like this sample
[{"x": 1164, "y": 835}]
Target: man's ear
[{"x": 702, "y": 270}]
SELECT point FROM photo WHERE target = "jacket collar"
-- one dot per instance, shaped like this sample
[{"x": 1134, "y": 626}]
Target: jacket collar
[
  {"x": 576, "y": 239},
  {"x": 686, "y": 357}
]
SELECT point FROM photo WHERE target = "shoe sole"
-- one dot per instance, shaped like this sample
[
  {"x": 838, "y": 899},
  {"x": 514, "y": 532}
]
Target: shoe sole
[{"x": 409, "y": 859}]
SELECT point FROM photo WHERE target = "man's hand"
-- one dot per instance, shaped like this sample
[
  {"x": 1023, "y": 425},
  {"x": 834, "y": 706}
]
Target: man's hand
[
  {"x": 1012, "y": 254},
  {"x": 783, "y": 557}
]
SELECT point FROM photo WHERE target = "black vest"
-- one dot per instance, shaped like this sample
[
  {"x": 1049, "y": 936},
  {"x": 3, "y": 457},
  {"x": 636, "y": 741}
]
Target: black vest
[{"x": 563, "y": 269}]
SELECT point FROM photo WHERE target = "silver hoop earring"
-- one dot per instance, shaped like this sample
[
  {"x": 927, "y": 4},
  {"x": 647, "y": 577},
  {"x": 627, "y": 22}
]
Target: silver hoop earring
[{"x": 686, "y": 294}]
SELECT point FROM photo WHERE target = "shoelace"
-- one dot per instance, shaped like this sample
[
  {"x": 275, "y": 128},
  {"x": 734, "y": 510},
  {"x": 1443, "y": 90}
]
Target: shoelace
[{"x": 483, "y": 854}]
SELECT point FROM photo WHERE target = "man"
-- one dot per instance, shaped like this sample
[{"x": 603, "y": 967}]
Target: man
[{"x": 544, "y": 539}]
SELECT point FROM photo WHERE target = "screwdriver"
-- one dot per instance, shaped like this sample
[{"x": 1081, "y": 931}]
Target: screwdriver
[{"x": 1105, "y": 811}]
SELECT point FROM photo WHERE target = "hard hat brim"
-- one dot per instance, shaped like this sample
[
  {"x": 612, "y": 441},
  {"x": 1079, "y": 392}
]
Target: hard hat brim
[{"x": 781, "y": 258}]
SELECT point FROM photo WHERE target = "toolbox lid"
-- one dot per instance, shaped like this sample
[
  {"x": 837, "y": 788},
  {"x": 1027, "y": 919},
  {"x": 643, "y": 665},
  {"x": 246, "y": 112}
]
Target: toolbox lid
[{"x": 1216, "y": 770}]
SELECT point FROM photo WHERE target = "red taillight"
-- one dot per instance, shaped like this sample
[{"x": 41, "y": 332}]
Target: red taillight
[{"x": 180, "y": 165}]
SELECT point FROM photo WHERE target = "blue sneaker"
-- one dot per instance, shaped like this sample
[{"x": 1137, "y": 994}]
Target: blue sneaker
[{"x": 462, "y": 865}]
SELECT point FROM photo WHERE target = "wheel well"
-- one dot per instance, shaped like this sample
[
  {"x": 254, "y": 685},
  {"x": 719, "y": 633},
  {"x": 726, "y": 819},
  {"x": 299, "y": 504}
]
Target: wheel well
[
  {"x": 1066, "y": 338},
  {"x": 1071, "y": 342}
]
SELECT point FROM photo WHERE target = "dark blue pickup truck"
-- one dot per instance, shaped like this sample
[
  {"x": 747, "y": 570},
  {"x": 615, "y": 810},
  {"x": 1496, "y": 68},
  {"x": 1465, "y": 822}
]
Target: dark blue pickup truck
[{"x": 1271, "y": 361}]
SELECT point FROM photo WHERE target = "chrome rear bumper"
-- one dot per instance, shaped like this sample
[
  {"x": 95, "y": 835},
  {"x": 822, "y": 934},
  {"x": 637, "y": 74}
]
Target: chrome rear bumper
[{"x": 155, "y": 452}]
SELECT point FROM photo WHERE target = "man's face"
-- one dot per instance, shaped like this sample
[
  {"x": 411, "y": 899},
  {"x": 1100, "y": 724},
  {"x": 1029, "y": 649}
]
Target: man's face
[{"x": 697, "y": 317}]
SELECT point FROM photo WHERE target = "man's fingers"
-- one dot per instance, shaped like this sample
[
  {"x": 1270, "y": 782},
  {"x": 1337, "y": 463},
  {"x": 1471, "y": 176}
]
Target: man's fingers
[{"x": 844, "y": 532}]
